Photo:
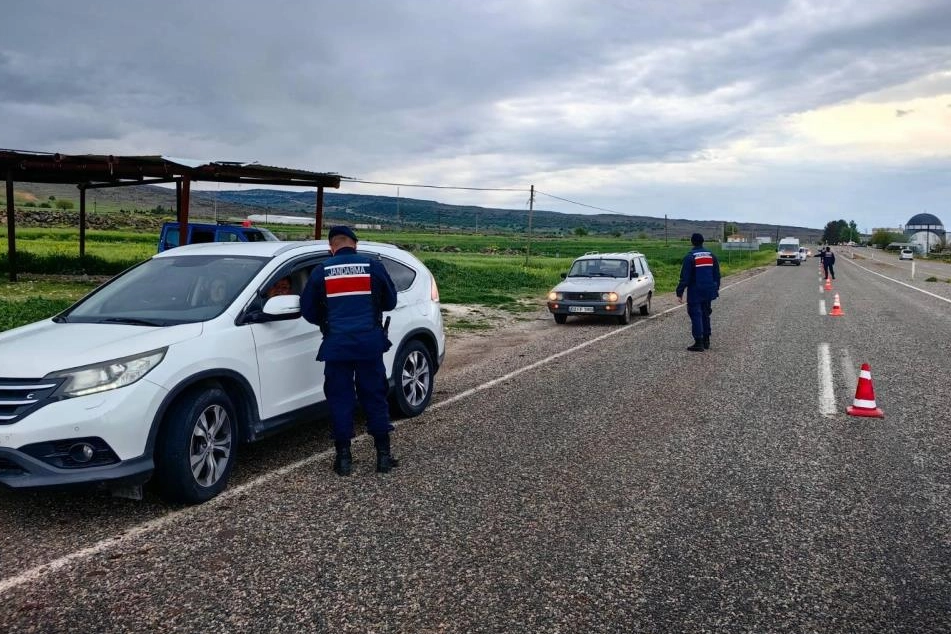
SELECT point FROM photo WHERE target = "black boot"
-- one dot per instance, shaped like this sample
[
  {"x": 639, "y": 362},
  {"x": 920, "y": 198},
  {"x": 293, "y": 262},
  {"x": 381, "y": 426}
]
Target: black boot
[
  {"x": 384, "y": 459},
  {"x": 343, "y": 461},
  {"x": 706, "y": 343},
  {"x": 696, "y": 347}
]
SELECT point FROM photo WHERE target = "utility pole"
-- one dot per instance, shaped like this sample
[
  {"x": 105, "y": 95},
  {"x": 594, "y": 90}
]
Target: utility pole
[
  {"x": 665, "y": 230},
  {"x": 398, "y": 220},
  {"x": 531, "y": 205}
]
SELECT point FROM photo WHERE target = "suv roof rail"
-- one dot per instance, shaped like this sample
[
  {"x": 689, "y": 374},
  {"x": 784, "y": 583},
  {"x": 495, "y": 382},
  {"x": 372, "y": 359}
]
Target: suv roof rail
[{"x": 593, "y": 253}]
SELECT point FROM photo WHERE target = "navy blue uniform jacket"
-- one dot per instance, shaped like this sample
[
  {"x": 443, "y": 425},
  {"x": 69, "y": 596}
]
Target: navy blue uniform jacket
[
  {"x": 346, "y": 296},
  {"x": 699, "y": 276}
]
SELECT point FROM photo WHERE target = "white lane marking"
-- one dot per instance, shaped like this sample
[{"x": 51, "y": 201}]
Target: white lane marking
[
  {"x": 914, "y": 288},
  {"x": 822, "y": 307},
  {"x": 38, "y": 572},
  {"x": 826, "y": 392}
]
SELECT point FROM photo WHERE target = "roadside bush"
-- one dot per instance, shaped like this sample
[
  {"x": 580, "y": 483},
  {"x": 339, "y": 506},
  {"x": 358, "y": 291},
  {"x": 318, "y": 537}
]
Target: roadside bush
[
  {"x": 16, "y": 313},
  {"x": 63, "y": 264}
]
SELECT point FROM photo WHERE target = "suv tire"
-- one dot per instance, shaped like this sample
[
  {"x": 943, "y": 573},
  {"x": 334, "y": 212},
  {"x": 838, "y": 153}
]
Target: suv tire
[
  {"x": 646, "y": 308},
  {"x": 412, "y": 379},
  {"x": 560, "y": 319},
  {"x": 188, "y": 468}
]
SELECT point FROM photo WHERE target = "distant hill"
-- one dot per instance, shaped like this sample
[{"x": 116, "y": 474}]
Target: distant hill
[{"x": 397, "y": 212}]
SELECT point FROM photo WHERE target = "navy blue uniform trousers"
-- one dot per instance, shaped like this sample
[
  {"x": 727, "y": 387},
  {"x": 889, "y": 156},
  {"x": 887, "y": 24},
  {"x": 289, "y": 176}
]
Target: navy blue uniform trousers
[
  {"x": 699, "y": 318},
  {"x": 369, "y": 379}
]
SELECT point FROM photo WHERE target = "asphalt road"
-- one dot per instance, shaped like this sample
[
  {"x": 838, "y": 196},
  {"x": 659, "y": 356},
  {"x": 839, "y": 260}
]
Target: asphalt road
[{"x": 597, "y": 478}]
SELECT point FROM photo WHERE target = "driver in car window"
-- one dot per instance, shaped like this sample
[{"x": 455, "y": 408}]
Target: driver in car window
[
  {"x": 218, "y": 292},
  {"x": 280, "y": 287}
]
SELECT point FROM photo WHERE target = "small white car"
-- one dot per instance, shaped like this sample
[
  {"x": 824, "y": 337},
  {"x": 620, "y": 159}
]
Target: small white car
[
  {"x": 604, "y": 284},
  {"x": 906, "y": 254},
  {"x": 163, "y": 371}
]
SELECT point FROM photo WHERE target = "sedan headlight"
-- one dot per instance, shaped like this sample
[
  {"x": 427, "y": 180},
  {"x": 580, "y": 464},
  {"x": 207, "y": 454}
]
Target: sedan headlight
[
  {"x": 108, "y": 375},
  {"x": 609, "y": 297},
  {"x": 555, "y": 297}
]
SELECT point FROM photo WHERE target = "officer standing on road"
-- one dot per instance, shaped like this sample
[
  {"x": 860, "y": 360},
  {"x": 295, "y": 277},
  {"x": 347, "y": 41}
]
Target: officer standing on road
[
  {"x": 700, "y": 277},
  {"x": 346, "y": 296},
  {"x": 828, "y": 262}
]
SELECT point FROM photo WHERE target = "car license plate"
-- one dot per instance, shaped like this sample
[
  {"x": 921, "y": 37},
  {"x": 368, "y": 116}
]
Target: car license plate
[{"x": 581, "y": 309}]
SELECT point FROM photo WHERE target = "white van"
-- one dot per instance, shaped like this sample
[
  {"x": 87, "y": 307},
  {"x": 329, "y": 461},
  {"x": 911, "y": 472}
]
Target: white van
[{"x": 788, "y": 252}]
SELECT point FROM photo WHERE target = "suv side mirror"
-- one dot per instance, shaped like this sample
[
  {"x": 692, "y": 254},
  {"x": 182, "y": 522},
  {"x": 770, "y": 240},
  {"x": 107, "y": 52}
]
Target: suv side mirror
[
  {"x": 564, "y": 275},
  {"x": 279, "y": 308}
]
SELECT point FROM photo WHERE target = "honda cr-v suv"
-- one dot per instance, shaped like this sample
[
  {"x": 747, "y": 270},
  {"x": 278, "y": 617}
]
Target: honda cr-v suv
[{"x": 166, "y": 369}]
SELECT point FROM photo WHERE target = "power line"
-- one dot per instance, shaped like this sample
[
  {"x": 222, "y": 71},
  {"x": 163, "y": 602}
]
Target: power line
[
  {"x": 479, "y": 189},
  {"x": 574, "y": 202}
]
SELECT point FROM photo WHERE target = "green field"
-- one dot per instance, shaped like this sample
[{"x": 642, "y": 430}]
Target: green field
[{"x": 489, "y": 270}]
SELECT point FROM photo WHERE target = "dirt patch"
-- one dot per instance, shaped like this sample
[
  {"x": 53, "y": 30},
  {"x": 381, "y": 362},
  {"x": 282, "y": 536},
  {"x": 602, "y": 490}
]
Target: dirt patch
[{"x": 473, "y": 332}]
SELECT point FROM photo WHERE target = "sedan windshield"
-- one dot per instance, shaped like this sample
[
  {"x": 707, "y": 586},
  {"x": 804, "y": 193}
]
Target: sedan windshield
[
  {"x": 168, "y": 291},
  {"x": 598, "y": 268}
]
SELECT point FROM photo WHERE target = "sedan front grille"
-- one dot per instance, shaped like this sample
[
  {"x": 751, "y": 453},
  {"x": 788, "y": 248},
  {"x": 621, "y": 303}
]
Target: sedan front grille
[
  {"x": 588, "y": 297},
  {"x": 20, "y": 396}
]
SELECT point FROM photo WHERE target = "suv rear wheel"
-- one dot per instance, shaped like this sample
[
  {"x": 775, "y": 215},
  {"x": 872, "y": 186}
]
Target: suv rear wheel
[
  {"x": 413, "y": 379},
  {"x": 196, "y": 450},
  {"x": 646, "y": 308}
]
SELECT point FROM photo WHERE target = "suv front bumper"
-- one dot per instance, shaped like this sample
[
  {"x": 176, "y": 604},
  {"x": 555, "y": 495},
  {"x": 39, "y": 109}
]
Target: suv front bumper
[
  {"x": 120, "y": 419},
  {"x": 21, "y": 471}
]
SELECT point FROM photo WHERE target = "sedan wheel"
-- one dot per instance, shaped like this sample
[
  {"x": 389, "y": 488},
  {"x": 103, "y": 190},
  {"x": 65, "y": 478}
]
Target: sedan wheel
[
  {"x": 646, "y": 308},
  {"x": 625, "y": 317}
]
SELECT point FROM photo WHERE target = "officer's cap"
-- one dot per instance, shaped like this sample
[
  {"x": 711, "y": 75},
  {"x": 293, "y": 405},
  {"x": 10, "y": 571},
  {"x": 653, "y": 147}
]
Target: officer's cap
[{"x": 342, "y": 230}]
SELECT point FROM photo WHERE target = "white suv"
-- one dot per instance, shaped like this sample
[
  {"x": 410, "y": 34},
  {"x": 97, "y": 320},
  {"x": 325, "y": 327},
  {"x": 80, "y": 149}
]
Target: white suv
[
  {"x": 604, "y": 284},
  {"x": 163, "y": 371}
]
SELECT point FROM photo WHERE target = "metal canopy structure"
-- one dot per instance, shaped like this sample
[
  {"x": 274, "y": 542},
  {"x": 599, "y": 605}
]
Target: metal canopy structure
[{"x": 92, "y": 171}]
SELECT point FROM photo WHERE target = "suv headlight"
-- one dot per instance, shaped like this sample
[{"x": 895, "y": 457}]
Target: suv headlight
[
  {"x": 609, "y": 297},
  {"x": 555, "y": 297},
  {"x": 108, "y": 375}
]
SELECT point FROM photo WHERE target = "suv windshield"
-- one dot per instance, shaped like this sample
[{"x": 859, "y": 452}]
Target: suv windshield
[
  {"x": 598, "y": 267},
  {"x": 169, "y": 291}
]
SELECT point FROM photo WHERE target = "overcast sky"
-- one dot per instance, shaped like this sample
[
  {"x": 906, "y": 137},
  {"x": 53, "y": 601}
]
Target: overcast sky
[{"x": 794, "y": 113}]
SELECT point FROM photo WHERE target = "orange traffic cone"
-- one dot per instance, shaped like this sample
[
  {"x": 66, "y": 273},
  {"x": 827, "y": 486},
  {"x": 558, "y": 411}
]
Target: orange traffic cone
[
  {"x": 836, "y": 307},
  {"x": 864, "y": 402},
  {"x": 828, "y": 285}
]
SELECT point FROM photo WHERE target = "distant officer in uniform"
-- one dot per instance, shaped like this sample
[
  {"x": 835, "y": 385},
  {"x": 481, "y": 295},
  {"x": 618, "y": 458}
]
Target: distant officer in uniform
[
  {"x": 700, "y": 277},
  {"x": 828, "y": 262},
  {"x": 346, "y": 296}
]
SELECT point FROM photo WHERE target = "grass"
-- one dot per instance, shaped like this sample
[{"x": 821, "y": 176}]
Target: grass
[{"x": 487, "y": 270}]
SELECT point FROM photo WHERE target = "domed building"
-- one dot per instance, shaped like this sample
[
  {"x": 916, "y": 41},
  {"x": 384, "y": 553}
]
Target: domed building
[{"x": 925, "y": 231}]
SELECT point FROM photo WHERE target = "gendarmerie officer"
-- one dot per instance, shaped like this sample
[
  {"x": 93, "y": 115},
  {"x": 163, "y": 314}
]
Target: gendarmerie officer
[
  {"x": 700, "y": 277},
  {"x": 346, "y": 296}
]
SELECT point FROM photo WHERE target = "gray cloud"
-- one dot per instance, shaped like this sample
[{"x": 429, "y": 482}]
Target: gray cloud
[{"x": 364, "y": 87}]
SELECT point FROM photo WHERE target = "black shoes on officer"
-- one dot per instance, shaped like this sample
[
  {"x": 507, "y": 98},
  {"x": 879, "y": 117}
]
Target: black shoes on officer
[
  {"x": 384, "y": 458},
  {"x": 343, "y": 461},
  {"x": 699, "y": 345}
]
